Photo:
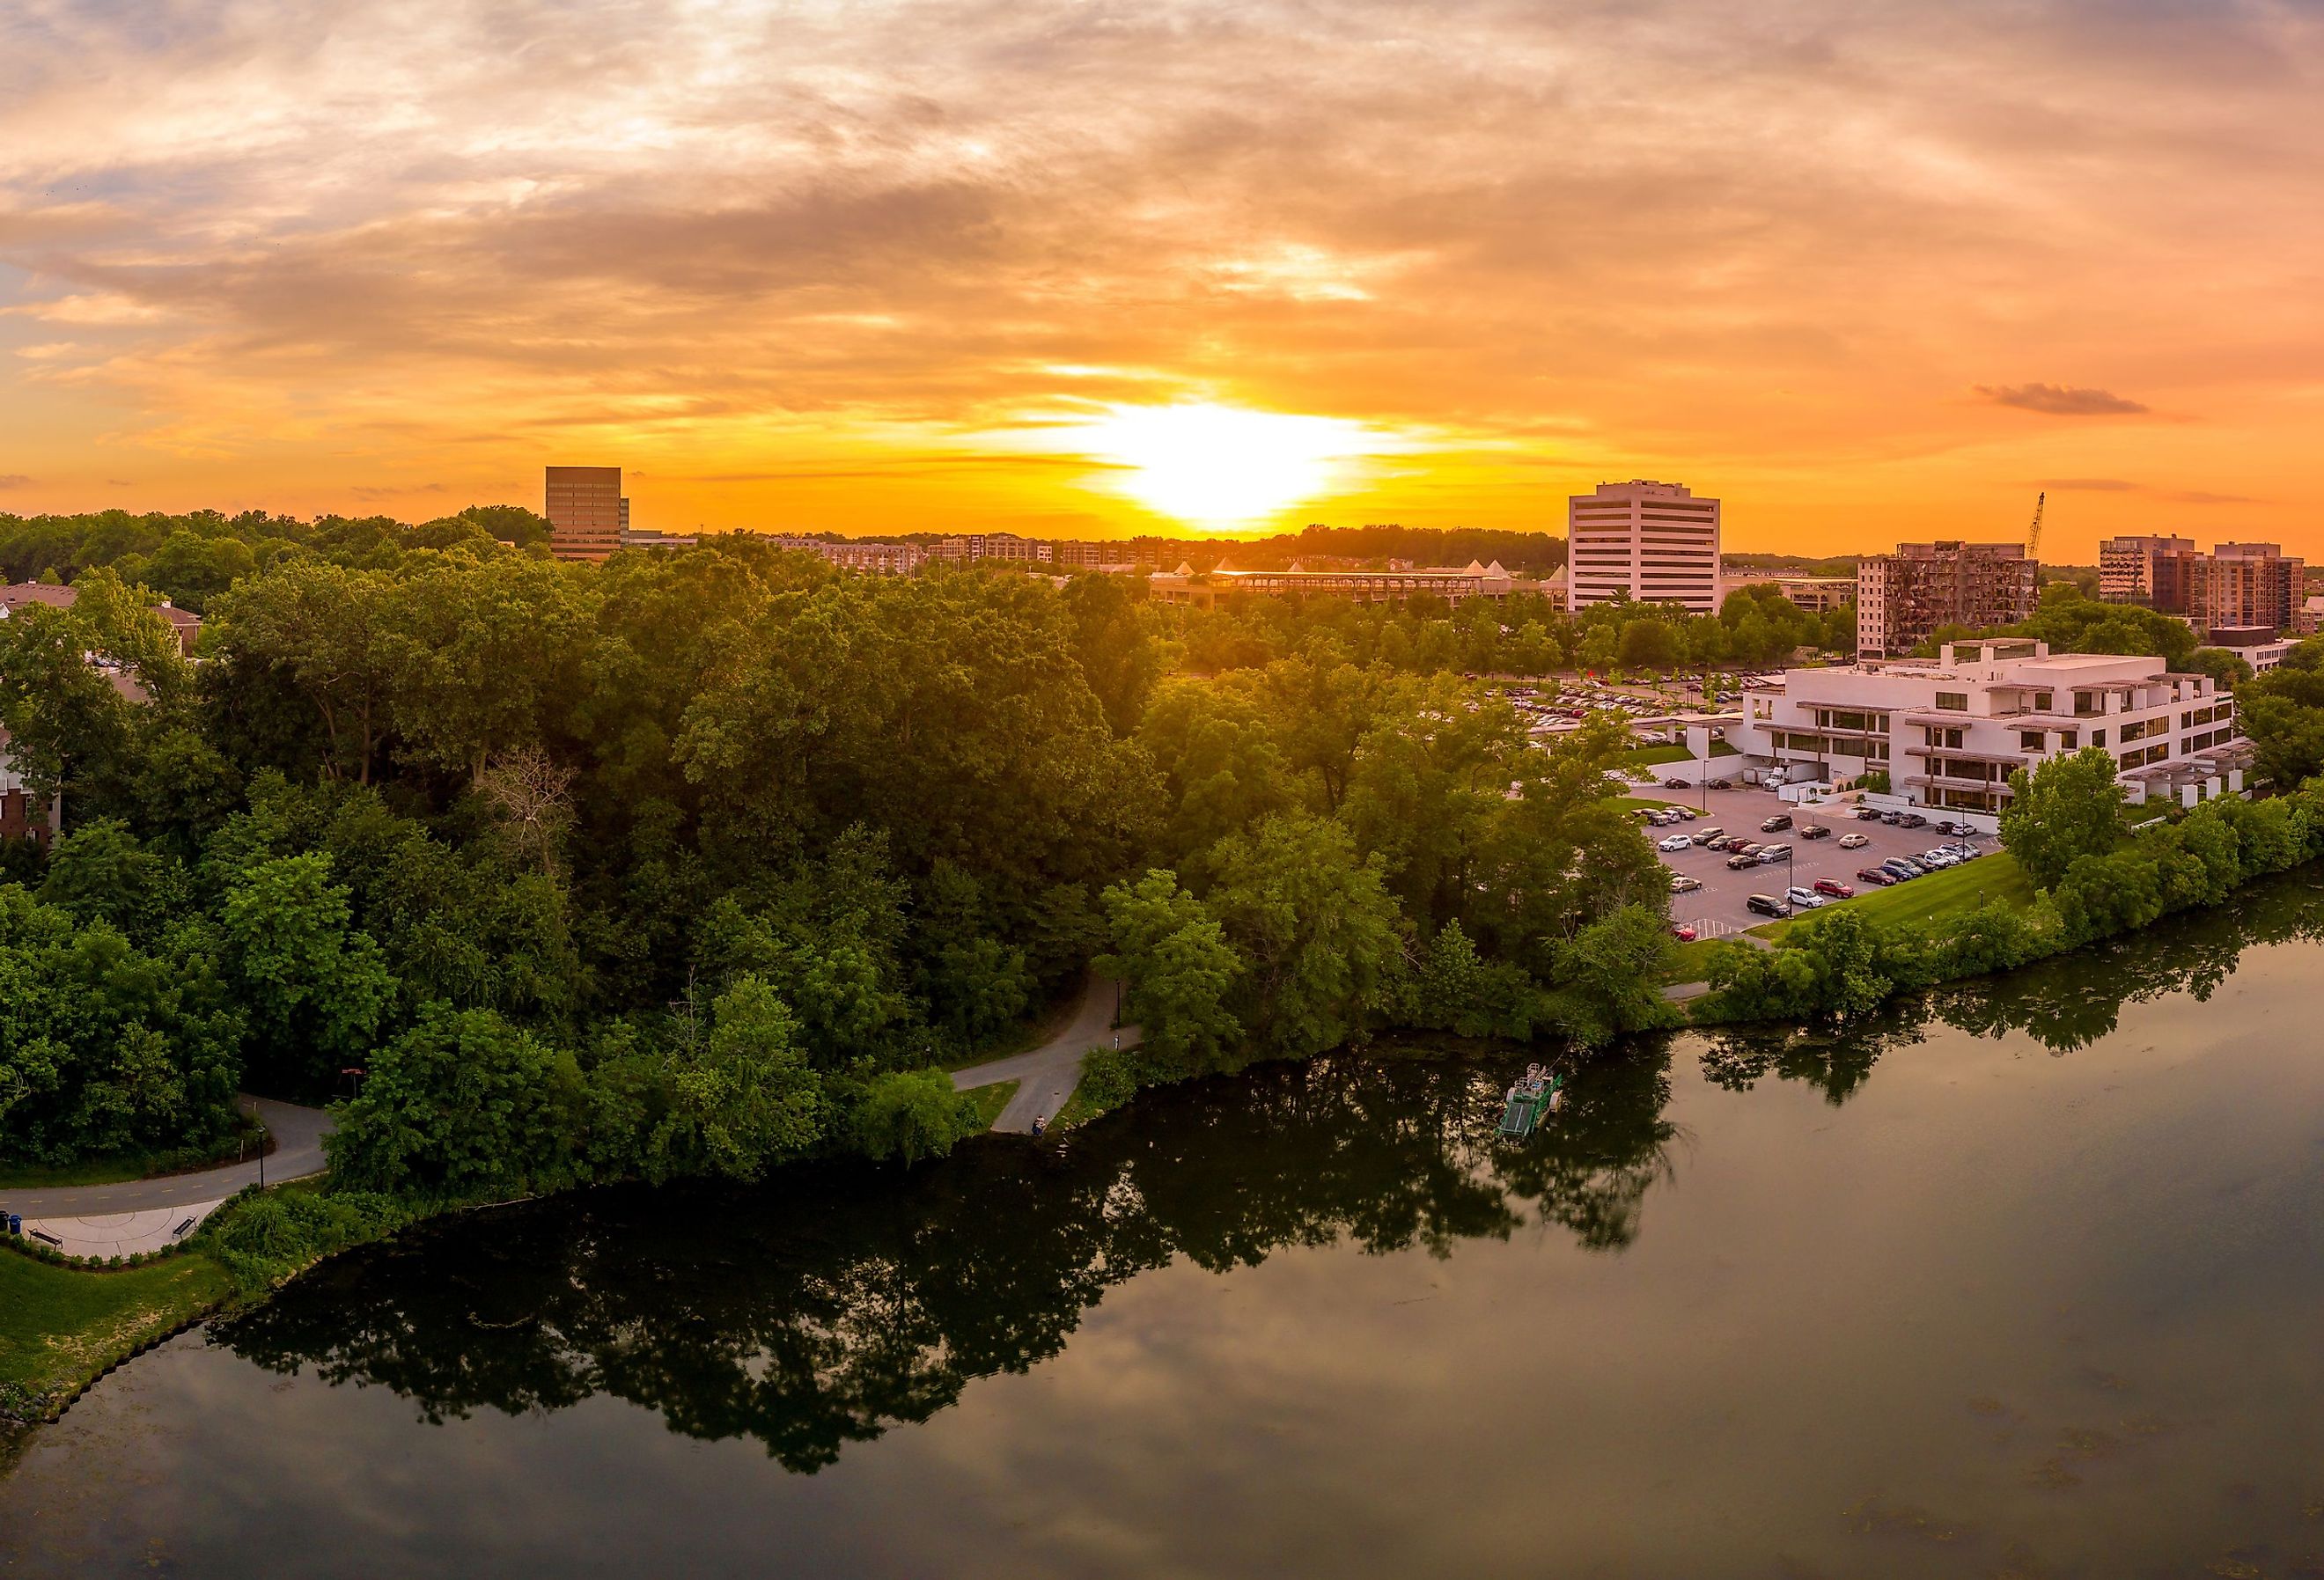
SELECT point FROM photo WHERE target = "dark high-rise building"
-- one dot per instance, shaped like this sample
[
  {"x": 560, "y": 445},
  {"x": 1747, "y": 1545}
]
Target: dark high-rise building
[{"x": 585, "y": 511}]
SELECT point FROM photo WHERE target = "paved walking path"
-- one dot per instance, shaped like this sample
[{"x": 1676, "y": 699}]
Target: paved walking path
[
  {"x": 297, "y": 1151},
  {"x": 1050, "y": 1072}
]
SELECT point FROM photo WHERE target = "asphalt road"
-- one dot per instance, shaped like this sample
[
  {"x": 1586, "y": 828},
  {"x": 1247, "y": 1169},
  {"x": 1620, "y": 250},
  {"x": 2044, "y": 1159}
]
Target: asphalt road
[
  {"x": 1050, "y": 1072},
  {"x": 1717, "y": 908},
  {"x": 297, "y": 1151}
]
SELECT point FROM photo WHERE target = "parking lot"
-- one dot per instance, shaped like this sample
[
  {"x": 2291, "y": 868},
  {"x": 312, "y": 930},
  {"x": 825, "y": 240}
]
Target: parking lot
[{"x": 1717, "y": 908}]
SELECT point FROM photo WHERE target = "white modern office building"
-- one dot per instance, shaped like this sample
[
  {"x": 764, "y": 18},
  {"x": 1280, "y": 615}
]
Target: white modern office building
[
  {"x": 1949, "y": 731},
  {"x": 1649, "y": 542}
]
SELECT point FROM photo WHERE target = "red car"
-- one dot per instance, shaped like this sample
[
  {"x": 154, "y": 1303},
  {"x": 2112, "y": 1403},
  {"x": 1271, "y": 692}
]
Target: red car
[
  {"x": 1684, "y": 935},
  {"x": 1835, "y": 888},
  {"x": 1875, "y": 877}
]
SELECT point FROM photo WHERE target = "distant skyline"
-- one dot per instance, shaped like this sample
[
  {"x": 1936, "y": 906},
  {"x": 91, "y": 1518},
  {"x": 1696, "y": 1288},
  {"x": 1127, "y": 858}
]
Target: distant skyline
[{"x": 1870, "y": 272}]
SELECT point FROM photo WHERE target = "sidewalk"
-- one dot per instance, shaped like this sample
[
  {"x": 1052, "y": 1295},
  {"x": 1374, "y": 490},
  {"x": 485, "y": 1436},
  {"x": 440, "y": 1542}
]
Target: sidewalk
[{"x": 1050, "y": 1072}]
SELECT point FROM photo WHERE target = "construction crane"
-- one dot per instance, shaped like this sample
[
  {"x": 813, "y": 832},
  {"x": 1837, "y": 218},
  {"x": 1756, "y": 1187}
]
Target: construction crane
[{"x": 2033, "y": 532}]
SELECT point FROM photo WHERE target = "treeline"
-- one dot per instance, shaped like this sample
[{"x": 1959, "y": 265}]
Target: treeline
[
  {"x": 188, "y": 558},
  {"x": 693, "y": 862},
  {"x": 2064, "y": 828},
  {"x": 1756, "y": 626}
]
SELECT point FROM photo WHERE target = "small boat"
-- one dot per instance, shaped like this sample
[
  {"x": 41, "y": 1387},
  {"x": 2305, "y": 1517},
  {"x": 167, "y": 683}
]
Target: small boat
[{"x": 1534, "y": 1093}]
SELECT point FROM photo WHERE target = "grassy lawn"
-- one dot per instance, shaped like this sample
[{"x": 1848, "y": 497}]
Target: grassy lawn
[
  {"x": 1955, "y": 892},
  {"x": 1691, "y": 962},
  {"x": 1648, "y": 756},
  {"x": 990, "y": 1100},
  {"x": 59, "y": 1326},
  {"x": 1078, "y": 1110}
]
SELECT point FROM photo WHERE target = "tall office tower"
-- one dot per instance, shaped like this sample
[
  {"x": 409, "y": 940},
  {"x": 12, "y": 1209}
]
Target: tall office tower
[
  {"x": 2244, "y": 586},
  {"x": 585, "y": 511},
  {"x": 1902, "y": 598},
  {"x": 625, "y": 518},
  {"x": 2144, "y": 570},
  {"x": 1650, "y": 542}
]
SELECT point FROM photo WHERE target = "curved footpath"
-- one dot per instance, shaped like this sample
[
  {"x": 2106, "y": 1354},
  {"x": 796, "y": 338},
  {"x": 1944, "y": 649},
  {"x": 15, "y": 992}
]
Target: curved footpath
[
  {"x": 145, "y": 1215},
  {"x": 1050, "y": 1072}
]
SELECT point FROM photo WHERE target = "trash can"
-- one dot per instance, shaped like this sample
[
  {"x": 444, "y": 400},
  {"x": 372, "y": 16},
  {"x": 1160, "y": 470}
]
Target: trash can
[{"x": 15, "y": 1224}]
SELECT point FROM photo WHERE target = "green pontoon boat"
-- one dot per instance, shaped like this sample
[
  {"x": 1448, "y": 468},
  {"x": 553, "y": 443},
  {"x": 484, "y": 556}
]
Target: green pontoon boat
[{"x": 1535, "y": 1093}]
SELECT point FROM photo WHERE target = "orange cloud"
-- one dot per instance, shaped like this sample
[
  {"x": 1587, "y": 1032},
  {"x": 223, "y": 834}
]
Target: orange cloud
[{"x": 792, "y": 265}]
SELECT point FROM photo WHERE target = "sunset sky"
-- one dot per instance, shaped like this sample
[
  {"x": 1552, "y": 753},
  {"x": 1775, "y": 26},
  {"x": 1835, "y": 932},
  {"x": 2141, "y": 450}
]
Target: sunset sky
[{"x": 1866, "y": 270}]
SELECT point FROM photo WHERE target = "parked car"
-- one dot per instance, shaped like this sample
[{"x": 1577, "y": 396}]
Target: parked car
[
  {"x": 1799, "y": 898},
  {"x": 1834, "y": 888},
  {"x": 1868, "y": 814},
  {"x": 1911, "y": 820},
  {"x": 1705, "y": 835},
  {"x": 1682, "y": 885},
  {"x": 1780, "y": 821},
  {"x": 1746, "y": 847},
  {"x": 1722, "y": 784},
  {"x": 1772, "y": 854},
  {"x": 1878, "y": 877},
  {"x": 1674, "y": 784},
  {"x": 1684, "y": 935},
  {"x": 1904, "y": 867},
  {"x": 1674, "y": 842},
  {"x": 1739, "y": 861},
  {"x": 1686, "y": 814},
  {"x": 1767, "y": 905},
  {"x": 1816, "y": 831},
  {"x": 1854, "y": 841}
]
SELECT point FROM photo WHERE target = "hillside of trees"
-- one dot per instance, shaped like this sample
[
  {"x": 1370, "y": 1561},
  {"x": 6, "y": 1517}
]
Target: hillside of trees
[{"x": 692, "y": 863}]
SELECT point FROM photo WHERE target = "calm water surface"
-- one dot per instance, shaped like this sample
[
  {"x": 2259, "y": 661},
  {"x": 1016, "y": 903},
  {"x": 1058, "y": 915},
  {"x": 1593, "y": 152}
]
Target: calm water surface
[{"x": 2028, "y": 1280}]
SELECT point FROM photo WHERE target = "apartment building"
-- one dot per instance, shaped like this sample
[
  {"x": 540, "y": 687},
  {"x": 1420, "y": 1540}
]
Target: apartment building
[
  {"x": 876, "y": 558},
  {"x": 586, "y": 511},
  {"x": 2143, "y": 571},
  {"x": 1648, "y": 542},
  {"x": 2239, "y": 586},
  {"x": 1950, "y": 730},
  {"x": 1003, "y": 547},
  {"x": 1902, "y": 598}
]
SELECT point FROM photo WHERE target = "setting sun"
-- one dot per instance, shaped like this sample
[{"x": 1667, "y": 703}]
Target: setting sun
[{"x": 1221, "y": 467}]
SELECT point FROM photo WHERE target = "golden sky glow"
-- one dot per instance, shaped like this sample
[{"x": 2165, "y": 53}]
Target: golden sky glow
[{"x": 1865, "y": 270}]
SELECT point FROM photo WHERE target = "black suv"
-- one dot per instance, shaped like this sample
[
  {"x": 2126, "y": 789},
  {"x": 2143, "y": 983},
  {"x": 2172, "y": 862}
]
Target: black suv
[
  {"x": 1775, "y": 823},
  {"x": 1767, "y": 905}
]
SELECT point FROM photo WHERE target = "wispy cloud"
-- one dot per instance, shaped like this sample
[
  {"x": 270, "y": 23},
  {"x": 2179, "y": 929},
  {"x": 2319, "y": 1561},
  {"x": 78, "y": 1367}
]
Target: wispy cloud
[
  {"x": 2061, "y": 400},
  {"x": 14, "y": 480},
  {"x": 790, "y": 258},
  {"x": 2088, "y": 484}
]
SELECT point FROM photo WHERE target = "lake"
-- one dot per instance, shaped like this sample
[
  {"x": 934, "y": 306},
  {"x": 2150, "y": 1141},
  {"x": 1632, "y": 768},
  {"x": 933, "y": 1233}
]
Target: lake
[{"x": 2025, "y": 1278}]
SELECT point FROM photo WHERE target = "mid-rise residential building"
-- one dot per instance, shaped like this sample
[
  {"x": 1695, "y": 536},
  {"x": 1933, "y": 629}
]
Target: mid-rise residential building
[
  {"x": 980, "y": 547},
  {"x": 2236, "y": 586},
  {"x": 1112, "y": 555},
  {"x": 1645, "y": 541},
  {"x": 2243, "y": 587},
  {"x": 2143, "y": 571},
  {"x": 585, "y": 512},
  {"x": 858, "y": 554},
  {"x": 1950, "y": 730},
  {"x": 1903, "y": 598}
]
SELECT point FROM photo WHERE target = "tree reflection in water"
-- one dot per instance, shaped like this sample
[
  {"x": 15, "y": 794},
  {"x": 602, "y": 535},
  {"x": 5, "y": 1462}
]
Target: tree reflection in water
[
  {"x": 2064, "y": 1003},
  {"x": 834, "y": 1302}
]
